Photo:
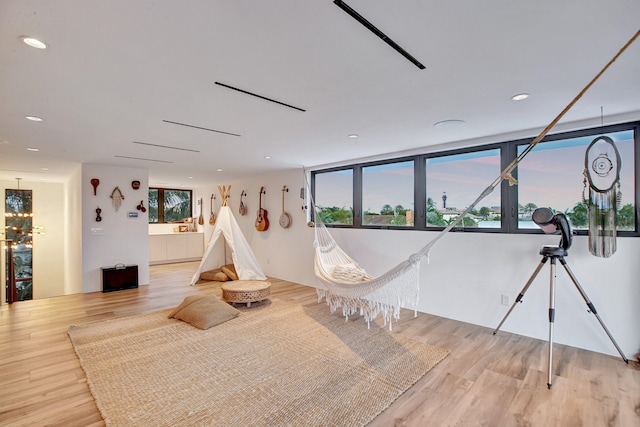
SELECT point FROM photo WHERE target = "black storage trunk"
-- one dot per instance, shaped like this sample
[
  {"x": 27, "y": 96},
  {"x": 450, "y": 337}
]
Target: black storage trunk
[{"x": 119, "y": 277}]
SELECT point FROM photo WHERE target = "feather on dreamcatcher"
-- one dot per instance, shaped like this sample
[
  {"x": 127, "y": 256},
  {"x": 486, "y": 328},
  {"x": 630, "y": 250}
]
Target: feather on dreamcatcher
[{"x": 602, "y": 164}]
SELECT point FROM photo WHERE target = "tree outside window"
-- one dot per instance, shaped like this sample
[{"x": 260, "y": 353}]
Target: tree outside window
[{"x": 169, "y": 205}]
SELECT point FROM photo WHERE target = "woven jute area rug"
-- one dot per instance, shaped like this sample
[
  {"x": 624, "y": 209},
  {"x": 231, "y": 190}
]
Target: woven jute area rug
[{"x": 279, "y": 364}]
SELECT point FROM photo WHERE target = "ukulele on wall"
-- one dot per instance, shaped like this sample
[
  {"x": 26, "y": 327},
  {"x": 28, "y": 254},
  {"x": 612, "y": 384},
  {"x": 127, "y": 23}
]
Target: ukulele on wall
[
  {"x": 200, "y": 217},
  {"x": 212, "y": 218},
  {"x": 262, "y": 223},
  {"x": 243, "y": 209},
  {"x": 285, "y": 218}
]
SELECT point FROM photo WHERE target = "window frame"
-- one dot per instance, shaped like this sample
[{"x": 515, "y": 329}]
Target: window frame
[
  {"x": 501, "y": 147},
  {"x": 161, "y": 191},
  {"x": 353, "y": 193},
  {"x": 360, "y": 209},
  {"x": 509, "y": 194}
]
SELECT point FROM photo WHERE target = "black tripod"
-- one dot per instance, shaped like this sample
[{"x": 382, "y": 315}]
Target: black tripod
[{"x": 554, "y": 253}]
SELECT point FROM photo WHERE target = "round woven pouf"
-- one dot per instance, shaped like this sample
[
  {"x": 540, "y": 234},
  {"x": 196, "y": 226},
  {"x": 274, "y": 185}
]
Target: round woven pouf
[{"x": 246, "y": 291}]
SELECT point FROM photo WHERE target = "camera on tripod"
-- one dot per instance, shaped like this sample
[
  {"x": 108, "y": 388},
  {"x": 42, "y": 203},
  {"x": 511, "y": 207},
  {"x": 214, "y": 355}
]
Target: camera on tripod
[
  {"x": 557, "y": 223},
  {"x": 552, "y": 223}
]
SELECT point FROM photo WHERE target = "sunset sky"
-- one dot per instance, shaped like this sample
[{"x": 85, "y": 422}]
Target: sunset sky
[{"x": 551, "y": 175}]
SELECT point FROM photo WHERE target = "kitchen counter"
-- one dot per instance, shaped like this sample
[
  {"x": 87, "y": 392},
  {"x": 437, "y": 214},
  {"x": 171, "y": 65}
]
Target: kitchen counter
[{"x": 165, "y": 248}]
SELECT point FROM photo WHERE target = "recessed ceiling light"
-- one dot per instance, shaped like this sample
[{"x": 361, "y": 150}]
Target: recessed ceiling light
[
  {"x": 33, "y": 118},
  {"x": 353, "y": 135},
  {"x": 190, "y": 177},
  {"x": 44, "y": 169},
  {"x": 218, "y": 170},
  {"x": 449, "y": 124},
  {"x": 30, "y": 41},
  {"x": 33, "y": 149},
  {"x": 520, "y": 97},
  {"x": 267, "y": 157}
]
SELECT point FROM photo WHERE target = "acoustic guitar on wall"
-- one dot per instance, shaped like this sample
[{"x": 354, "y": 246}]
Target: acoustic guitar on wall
[{"x": 262, "y": 223}]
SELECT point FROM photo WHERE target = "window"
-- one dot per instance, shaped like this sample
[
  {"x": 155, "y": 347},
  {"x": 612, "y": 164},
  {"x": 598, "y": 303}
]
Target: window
[
  {"x": 552, "y": 176},
  {"x": 333, "y": 196},
  {"x": 453, "y": 182},
  {"x": 169, "y": 205},
  {"x": 430, "y": 191},
  {"x": 387, "y": 194}
]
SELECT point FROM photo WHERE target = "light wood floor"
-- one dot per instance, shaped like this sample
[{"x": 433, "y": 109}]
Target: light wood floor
[{"x": 486, "y": 380}]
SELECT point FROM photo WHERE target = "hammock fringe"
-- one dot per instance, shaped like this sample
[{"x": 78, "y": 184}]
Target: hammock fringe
[{"x": 368, "y": 309}]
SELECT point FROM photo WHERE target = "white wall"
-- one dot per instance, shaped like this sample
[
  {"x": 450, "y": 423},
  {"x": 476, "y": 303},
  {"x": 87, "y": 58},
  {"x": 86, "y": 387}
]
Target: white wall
[
  {"x": 467, "y": 273},
  {"x": 123, "y": 240},
  {"x": 48, "y": 248},
  {"x": 73, "y": 233}
]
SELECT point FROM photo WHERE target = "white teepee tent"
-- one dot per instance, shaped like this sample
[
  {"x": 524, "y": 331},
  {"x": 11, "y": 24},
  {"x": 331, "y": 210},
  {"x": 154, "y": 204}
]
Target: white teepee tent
[{"x": 235, "y": 245}]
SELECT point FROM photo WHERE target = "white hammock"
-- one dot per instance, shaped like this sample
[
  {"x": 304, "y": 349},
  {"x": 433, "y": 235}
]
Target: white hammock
[{"x": 345, "y": 284}]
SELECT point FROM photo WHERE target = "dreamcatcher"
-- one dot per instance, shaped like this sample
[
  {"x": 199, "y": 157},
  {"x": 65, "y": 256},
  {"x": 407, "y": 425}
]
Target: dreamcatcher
[
  {"x": 116, "y": 198},
  {"x": 602, "y": 165}
]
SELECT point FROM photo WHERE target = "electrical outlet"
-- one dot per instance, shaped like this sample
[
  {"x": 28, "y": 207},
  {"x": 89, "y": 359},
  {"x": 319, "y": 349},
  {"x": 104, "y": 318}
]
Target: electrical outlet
[{"x": 504, "y": 299}]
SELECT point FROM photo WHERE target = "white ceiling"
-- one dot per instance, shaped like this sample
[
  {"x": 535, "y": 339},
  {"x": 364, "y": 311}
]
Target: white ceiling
[{"x": 116, "y": 69}]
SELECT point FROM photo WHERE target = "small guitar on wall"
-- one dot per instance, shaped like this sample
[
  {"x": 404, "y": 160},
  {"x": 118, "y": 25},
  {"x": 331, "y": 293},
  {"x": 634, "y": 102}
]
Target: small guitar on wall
[
  {"x": 243, "y": 207},
  {"x": 212, "y": 218},
  {"x": 285, "y": 218},
  {"x": 200, "y": 218},
  {"x": 262, "y": 223}
]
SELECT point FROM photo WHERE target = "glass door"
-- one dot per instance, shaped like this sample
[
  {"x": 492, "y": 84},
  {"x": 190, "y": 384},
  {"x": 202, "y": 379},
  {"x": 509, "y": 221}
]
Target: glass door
[{"x": 19, "y": 235}]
